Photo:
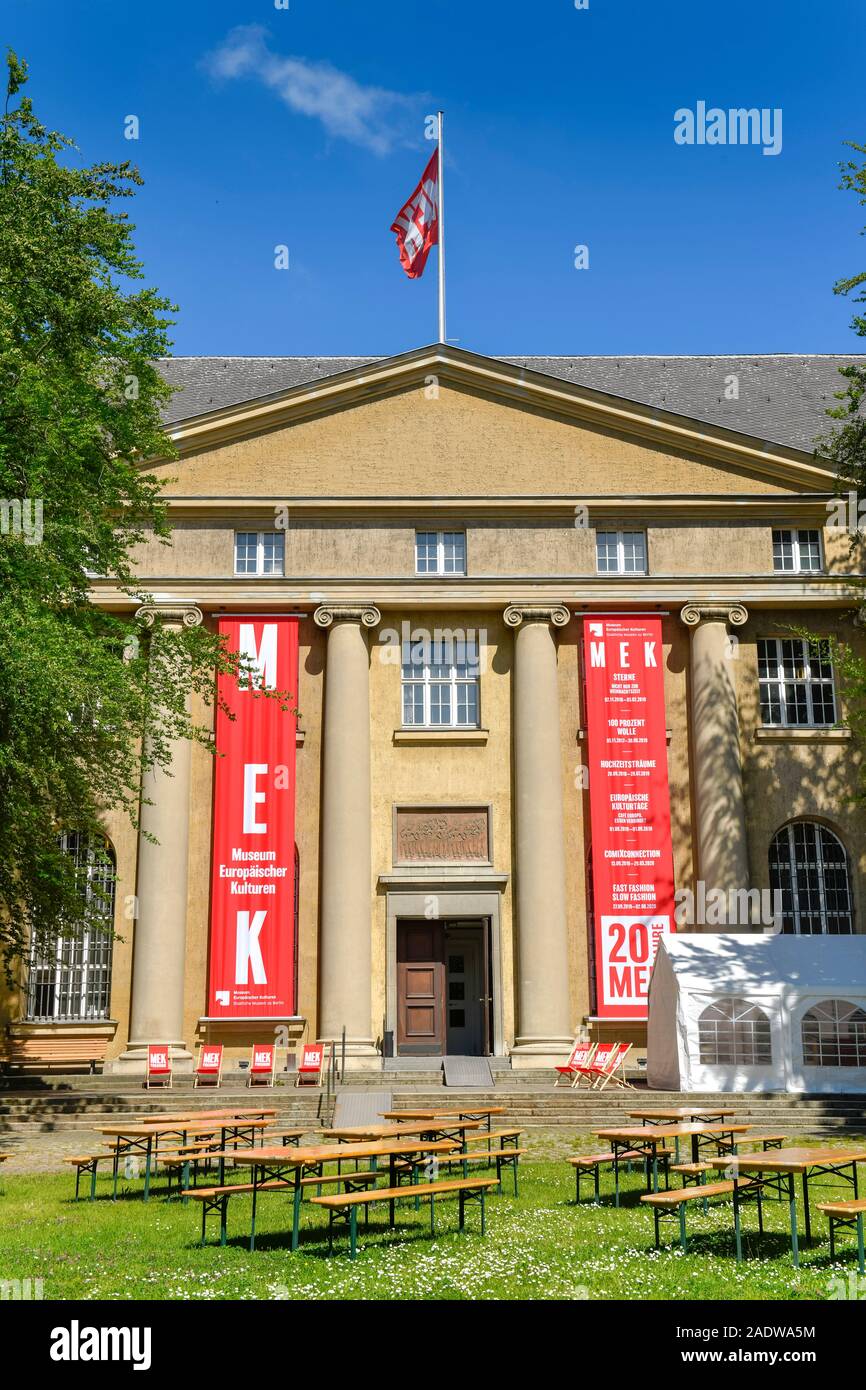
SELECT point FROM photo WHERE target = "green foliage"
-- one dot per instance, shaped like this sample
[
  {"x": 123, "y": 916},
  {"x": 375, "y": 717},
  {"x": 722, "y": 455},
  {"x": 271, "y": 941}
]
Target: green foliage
[
  {"x": 82, "y": 710},
  {"x": 845, "y": 445}
]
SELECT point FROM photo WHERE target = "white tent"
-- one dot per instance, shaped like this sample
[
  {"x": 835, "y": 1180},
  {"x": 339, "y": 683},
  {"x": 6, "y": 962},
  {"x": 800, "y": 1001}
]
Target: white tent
[{"x": 735, "y": 1011}]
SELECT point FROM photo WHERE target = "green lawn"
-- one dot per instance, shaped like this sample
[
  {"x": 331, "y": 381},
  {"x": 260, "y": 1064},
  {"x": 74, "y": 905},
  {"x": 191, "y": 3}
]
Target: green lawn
[{"x": 539, "y": 1245}]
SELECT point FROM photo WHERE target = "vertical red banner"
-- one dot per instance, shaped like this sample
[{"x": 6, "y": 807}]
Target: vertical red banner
[
  {"x": 632, "y": 859},
  {"x": 252, "y": 935}
]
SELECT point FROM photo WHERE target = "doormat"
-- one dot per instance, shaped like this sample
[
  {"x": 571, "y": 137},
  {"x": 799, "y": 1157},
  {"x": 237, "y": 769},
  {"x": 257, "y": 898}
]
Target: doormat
[{"x": 472, "y": 1073}]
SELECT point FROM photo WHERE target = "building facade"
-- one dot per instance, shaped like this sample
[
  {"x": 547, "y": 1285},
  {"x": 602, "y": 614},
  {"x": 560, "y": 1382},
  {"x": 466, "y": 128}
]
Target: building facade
[{"x": 442, "y": 826}]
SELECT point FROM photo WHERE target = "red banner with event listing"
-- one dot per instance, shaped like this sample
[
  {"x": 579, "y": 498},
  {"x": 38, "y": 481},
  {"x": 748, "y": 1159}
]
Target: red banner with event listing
[
  {"x": 252, "y": 936},
  {"x": 632, "y": 860}
]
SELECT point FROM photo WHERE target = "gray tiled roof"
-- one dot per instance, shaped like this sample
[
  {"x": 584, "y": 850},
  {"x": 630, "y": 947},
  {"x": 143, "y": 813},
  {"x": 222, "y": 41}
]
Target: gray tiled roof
[{"x": 782, "y": 398}]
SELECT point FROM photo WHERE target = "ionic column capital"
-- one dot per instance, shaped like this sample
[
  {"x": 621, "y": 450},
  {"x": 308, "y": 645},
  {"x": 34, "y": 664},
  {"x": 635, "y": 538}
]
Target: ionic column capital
[
  {"x": 365, "y": 614},
  {"x": 516, "y": 614},
  {"x": 173, "y": 613},
  {"x": 695, "y": 613}
]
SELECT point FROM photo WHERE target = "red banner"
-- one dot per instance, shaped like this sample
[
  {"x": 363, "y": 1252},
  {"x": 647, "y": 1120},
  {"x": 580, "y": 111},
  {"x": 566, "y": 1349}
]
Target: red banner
[
  {"x": 252, "y": 937},
  {"x": 632, "y": 861}
]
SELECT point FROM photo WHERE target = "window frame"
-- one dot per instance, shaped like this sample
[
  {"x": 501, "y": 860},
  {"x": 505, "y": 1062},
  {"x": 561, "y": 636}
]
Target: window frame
[
  {"x": 441, "y": 542},
  {"x": 426, "y": 682},
  {"x": 798, "y": 885},
  {"x": 620, "y": 551},
  {"x": 88, "y": 954},
  {"x": 808, "y": 681},
  {"x": 794, "y": 533},
  {"x": 260, "y": 572}
]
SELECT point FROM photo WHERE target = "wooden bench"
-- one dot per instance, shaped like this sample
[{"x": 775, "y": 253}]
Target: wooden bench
[
  {"x": 47, "y": 1052},
  {"x": 500, "y": 1136},
  {"x": 347, "y": 1203},
  {"x": 287, "y": 1136},
  {"x": 501, "y": 1158},
  {"x": 88, "y": 1163},
  {"x": 693, "y": 1174},
  {"x": 767, "y": 1141},
  {"x": 217, "y": 1198},
  {"x": 593, "y": 1163},
  {"x": 674, "y": 1203},
  {"x": 844, "y": 1215}
]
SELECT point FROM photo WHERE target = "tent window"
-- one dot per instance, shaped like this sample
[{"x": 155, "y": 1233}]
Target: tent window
[
  {"x": 834, "y": 1035},
  {"x": 809, "y": 868},
  {"x": 733, "y": 1032}
]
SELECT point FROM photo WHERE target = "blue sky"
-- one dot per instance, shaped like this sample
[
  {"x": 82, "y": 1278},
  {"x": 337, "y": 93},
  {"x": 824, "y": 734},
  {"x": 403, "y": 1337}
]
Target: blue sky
[{"x": 559, "y": 132}]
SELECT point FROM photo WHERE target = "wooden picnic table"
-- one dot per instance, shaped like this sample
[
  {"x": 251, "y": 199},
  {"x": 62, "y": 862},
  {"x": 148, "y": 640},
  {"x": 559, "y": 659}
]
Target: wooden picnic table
[
  {"x": 450, "y": 1129},
  {"x": 144, "y": 1138},
  {"x": 465, "y": 1112},
  {"x": 252, "y": 1113},
  {"x": 647, "y": 1139},
  {"x": 270, "y": 1164},
  {"x": 782, "y": 1166},
  {"x": 687, "y": 1113}
]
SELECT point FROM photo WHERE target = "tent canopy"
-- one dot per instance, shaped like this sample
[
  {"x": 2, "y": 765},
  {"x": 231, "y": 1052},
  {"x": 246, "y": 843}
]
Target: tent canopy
[{"x": 737, "y": 1011}]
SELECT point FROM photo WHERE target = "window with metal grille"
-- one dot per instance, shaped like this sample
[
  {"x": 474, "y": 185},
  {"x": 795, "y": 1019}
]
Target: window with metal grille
[
  {"x": 733, "y": 1032},
  {"x": 440, "y": 552},
  {"x": 834, "y": 1035},
  {"x": 620, "y": 552},
  {"x": 809, "y": 869},
  {"x": 441, "y": 680},
  {"x": 70, "y": 980},
  {"x": 796, "y": 682},
  {"x": 260, "y": 552},
  {"x": 796, "y": 552}
]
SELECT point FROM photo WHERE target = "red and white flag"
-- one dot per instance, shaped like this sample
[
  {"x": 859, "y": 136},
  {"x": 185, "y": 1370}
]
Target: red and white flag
[{"x": 417, "y": 222}]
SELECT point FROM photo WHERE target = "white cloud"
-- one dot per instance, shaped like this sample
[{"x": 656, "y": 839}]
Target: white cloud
[{"x": 369, "y": 116}]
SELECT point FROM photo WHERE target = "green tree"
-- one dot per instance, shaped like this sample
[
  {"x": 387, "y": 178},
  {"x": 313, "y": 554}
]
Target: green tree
[
  {"x": 82, "y": 709},
  {"x": 845, "y": 445}
]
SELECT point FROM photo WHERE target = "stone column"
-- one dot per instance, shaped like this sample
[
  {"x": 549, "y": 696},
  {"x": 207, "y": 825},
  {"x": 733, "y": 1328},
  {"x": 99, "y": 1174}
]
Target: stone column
[
  {"x": 345, "y": 945},
  {"x": 720, "y": 813},
  {"x": 159, "y": 941},
  {"x": 545, "y": 1018}
]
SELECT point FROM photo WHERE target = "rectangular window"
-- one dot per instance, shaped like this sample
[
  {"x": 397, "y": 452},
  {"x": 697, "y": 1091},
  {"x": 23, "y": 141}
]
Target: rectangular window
[
  {"x": 441, "y": 683},
  {"x": 259, "y": 552},
  {"x": 69, "y": 979},
  {"x": 440, "y": 552},
  {"x": 621, "y": 552},
  {"x": 796, "y": 552},
  {"x": 796, "y": 682}
]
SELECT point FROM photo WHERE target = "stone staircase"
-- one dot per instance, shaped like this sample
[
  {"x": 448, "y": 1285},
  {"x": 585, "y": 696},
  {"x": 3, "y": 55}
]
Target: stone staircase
[{"x": 66, "y": 1106}]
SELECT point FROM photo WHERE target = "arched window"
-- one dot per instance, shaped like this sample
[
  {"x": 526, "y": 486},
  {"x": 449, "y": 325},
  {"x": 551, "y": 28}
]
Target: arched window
[
  {"x": 834, "y": 1035},
  {"x": 71, "y": 981},
  {"x": 734, "y": 1033},
  {"x": 809, "y": 868}
]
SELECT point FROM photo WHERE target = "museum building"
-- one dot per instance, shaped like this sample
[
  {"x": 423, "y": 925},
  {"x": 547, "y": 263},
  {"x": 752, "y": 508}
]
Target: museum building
[{"x": 433, "y": 536}]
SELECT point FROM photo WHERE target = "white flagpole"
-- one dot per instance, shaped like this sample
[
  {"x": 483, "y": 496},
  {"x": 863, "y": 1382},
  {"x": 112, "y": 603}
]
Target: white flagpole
[{"x": 441, "y": 235}]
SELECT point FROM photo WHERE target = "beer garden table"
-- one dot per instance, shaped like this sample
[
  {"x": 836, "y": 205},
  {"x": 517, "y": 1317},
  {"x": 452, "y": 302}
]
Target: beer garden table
[
  {"x": 271, "y": 1165},
  {"x": 782, "y": 1166},
  {"x": 686, "y": 1113},
  {"x": 450, "y": 1129},
  {"x": 140, "y": 1137},
  {"x": 646, "y": 1139},
  {"x": 467, "y": 1112}
]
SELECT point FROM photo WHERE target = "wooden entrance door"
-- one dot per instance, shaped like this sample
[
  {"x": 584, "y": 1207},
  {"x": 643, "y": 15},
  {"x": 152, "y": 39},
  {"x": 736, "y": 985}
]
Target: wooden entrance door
[{"x": 421, "y": 988}]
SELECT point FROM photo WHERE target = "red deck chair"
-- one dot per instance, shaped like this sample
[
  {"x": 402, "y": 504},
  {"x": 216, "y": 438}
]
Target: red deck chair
[
  {"x": 611, "y": 1068},
  {"x": 158, "y": 1065},
  {"x": 312, "y": 1064},
  {"x": 578, "y": 1064},
  {"x": 210, "y": 1065},
  {"x": 263, "y": 1065}
]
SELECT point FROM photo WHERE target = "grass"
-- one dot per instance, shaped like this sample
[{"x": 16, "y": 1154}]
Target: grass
[{"x": 538, "y": 1246}]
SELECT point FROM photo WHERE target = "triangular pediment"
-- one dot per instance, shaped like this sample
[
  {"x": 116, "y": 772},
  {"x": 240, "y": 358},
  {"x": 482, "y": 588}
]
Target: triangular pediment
[{"x": 443, "y": 420}]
